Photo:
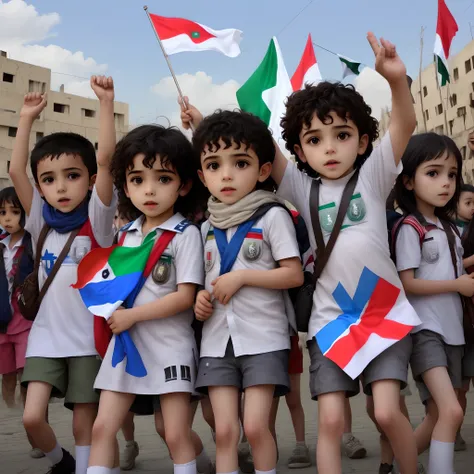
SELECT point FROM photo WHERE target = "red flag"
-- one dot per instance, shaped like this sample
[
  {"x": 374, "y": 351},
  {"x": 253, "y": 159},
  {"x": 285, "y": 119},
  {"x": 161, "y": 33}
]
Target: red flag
[
  {"x": 446, "y": 27},
  {"x": 308, "y": 69}
]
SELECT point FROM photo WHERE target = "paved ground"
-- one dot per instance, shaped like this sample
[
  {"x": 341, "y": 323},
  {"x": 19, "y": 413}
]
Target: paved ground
[{"x": 153, "y": 458}]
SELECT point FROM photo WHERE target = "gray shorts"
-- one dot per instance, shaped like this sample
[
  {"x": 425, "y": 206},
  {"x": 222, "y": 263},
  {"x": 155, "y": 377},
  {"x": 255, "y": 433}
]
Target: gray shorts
[
  {"x": 430, "y": 351},
  {"x": 468, "y": 362},
  {"x": 270, "y": 368},
  {"x": 327, "y": 377},
  {"x": 145, "y": 405}
]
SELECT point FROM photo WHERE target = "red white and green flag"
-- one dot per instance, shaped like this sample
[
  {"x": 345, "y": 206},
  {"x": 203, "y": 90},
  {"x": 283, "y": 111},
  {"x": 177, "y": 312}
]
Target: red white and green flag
[
  {"x": 179, "y": 35},
  {"x": 307, "y": 71},
  {"x": 446, "y": 30}
]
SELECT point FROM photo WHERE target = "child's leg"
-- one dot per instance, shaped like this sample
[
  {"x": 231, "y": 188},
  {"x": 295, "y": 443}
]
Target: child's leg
[
  {"x": 8, "y": 369},
  {"x": 293, "y": 400},
  {"x": 207, "y": 413},
  {"x": 9, "y": 388},
  {"x": 225, "y": 402},
  {"x": 83, "y": 418},
  {"x": 273, "y": 417},
  {"x": 128, "y": 427},
  {"x": 113, "y": 409}
]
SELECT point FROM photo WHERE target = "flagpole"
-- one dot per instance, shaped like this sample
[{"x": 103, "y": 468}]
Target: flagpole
[
  {"x": 440, "y": 94},
  {"x": 421, "y": 71},
  {"x": 180, "y": 92}
]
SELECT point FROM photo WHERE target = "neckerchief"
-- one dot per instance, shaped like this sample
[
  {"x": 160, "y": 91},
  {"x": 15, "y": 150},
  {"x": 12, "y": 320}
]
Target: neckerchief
[{"x": 64, "y": 222}]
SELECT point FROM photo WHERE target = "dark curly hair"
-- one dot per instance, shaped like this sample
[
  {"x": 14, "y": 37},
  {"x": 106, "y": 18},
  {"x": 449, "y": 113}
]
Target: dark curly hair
[
  {"x": 174, "y": 150},
  {"x": 236, "y": 128},
  {"x": 321, "y": 100},
  {"x": 54, "y": 145}
]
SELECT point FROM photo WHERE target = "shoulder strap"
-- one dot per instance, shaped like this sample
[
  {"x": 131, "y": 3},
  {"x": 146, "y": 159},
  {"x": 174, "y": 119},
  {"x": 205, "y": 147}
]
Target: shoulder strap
[
  {"x": 324, "y": 251},
  {"x": 57, "y": 263},
  {"x": 452, "y": 245}
]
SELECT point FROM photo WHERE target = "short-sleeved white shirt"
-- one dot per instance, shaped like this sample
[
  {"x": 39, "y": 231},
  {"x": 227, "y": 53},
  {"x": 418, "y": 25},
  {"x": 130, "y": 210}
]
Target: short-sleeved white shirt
[
  {"x": 441, "y": 313},
  {"x": 255, "y": 318},
  {"x": 167, "y": 342},
  {"x": 363, "y": 241},
  {"x": 63, "y": 326}
]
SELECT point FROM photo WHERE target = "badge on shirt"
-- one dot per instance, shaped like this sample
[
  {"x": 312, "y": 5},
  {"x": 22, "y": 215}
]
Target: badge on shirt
[
  {"x": 356, "y": 210},
  {"x": 327, "y": 216},
  {"x": 80, "y": 248},
  {"x": 252, "y": 249},
  {"x": 162, "y": 271},
  {"x": 209, "y": 260}
]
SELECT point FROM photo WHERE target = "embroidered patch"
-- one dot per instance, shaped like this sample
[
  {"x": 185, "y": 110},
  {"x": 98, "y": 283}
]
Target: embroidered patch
[
  {"x": 209, "y": 260},
  {"x": 356, "y": 210},
  {"x": 327, "y": 216},
  {"x": 186, "y": 373},
  {"x": 171, "y": 374},
  {"x": 252, "y": 249},
  {"x": 182, "y": 225},
  {"x": 162, "y": 270}
]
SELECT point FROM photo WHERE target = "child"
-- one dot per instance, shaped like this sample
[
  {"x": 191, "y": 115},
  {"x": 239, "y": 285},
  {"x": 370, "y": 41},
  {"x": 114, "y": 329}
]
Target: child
[
  {"x": 330, "y": 130},
  {"x": 465, "y": 208},
  {"x": 61, "y": 358},
  {"x": 245, "y": 338},
  {"x": 153, "y": 172},
  {"x": 428, "y": 189}
]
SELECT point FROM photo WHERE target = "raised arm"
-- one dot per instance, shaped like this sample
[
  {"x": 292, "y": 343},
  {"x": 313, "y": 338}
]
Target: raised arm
[
  {"x": 104, "y": 90},
  {"x": 33, "y": 104},
  {"x": 191, "y": 117},
  {"x": 279, "y": 165},
  {"x": 403, "y": 119}
]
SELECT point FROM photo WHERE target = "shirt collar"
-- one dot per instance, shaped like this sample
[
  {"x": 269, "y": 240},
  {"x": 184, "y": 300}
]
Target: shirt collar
[
  {"x": 6, "y": 242},
  {"x": 338, "y": 182},
  {"x": 172, "y": 224}
]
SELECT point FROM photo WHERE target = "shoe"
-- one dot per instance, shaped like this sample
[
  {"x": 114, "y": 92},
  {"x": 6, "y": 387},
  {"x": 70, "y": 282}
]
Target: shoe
[
  {"x": 245, "y": 458},
  {"x": 354, "y": 448},
  {"x": 129, "y": 455},
  {"x": 299, "y": 458},
  {"x": 460, "y": 444},
  {"x": 67, "y": 465},
  {"x": 385, "y": 468},
  {"x": 36, "y": 453},
  {"x": 421, "y": 469}
]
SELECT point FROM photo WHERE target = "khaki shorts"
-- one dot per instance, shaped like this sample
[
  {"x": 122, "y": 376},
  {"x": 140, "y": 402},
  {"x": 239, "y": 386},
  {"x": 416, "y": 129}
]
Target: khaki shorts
[{"x": 72, "y": 378}]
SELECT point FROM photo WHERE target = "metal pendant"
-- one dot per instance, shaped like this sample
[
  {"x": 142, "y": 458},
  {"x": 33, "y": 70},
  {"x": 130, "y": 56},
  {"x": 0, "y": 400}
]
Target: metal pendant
[
  {"x": 161, "y": 272},
  {"x": 252, "y": 250}
]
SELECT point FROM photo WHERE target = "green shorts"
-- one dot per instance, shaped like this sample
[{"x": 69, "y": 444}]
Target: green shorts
[{"x": 72, "y": 378}]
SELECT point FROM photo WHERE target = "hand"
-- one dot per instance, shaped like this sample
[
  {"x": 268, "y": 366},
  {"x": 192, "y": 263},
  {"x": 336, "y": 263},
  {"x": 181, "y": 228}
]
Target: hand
[
  {"x": 103, "y": 88},
  {"x": 33, "y": 104},
  {"x": 465, "y": 285},
  {"x": 189, "y": 114},
  {"x": 203, "y": 307},
  {"x": 226, "y": 286},
  {"x": 387, "y": 61},
  {"x": 121, "y": 320}
]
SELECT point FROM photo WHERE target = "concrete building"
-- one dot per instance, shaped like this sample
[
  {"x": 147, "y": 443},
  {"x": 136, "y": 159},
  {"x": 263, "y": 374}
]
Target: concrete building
[
  {"x": 449, "y": 111},
  {"x": 64, "y": 112}
]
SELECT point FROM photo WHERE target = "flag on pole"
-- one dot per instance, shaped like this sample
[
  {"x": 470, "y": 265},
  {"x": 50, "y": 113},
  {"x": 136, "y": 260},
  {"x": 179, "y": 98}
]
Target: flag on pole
[
  {"x": 178, "y": 35},
  {"x": 307, "y": 71},
  {"x": 446, "y": 30},
  {"x": 349, "y": 66},
  {"x": 265, "y": 92}
]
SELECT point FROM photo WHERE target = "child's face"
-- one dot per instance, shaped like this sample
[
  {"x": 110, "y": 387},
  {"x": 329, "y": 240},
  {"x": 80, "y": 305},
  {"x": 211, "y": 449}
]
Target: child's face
[
  {"x": 119, "y": 221},
  {"x": 331, "y": 148},
  {"x": 64, "y": 182},
  {"x": 435, "y": 181},
  {"x": 466, "y": 206},
  {"x": 154, "y": 191},
  {"x": 10, "y": 217},
  {"x": 232, "y": 173}
]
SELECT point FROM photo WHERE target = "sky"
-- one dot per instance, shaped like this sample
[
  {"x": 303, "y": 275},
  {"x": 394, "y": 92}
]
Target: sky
[{"x": 113, "y": 37}]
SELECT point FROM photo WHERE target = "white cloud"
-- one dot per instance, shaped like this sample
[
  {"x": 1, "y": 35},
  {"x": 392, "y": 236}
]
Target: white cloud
[
  {"x": 375, "y": 90},
  {"x": 203, "y": 93},
  {"x": 22, "y": 25}
]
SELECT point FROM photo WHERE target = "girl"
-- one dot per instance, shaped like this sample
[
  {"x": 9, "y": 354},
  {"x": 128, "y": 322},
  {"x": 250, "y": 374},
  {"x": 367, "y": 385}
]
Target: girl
[
  {"x": 153, "y": 172},
  {"x": 17, "y": 264},
  {"x": 431, "y": 270}
]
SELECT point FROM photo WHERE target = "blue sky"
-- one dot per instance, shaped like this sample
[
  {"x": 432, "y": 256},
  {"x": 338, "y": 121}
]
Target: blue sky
[{"x": 118, "y": 33}]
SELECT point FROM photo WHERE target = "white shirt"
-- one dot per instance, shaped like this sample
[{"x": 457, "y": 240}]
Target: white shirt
[
  {"x": 441, "y": 313},
  {"x": 255, "y": 318},
  {"x": 363, "y": 241},
  {"x": 63, "y": 326}
]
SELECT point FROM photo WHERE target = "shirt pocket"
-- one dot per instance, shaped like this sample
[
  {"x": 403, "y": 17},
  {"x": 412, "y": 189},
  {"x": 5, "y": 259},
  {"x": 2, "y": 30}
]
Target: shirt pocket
[
  {"x": 430, "y": 250},
  {"x": 80, "y": 247}
]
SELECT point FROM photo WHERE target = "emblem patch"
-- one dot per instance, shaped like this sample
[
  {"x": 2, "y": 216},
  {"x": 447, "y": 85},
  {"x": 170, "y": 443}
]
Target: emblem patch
[
  {"x": 161, "y": 272},
  {"x": 209, "y": 260},
  {"x": 80, "y": 248},
  {"x": 356, "y": 210},
  {"x": 252, "y": 249}
]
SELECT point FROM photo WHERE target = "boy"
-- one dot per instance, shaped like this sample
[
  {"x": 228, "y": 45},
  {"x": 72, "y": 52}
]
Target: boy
[
  {"x": 465, "y": 208},
  {"x": 249, "y": 260},
  {"x": 61, "y": 358},
  {"x": 330, "y": 130}
]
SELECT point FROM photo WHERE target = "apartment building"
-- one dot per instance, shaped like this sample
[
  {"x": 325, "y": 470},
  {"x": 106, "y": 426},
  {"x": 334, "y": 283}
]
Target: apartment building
[
  {"x": 447, "y": 110},
  {"x": 64, "y": 112}
]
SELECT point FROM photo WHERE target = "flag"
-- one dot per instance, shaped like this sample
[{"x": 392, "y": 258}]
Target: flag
[
  {"x": 307, "y": 71},
  {"x": 349, "y": 66},
  {"x": 446, "y": 30},
  {"x": 265, "y": 92},
  {"x": 178, "y": 35},
  {"x": 368, "y": 325}
]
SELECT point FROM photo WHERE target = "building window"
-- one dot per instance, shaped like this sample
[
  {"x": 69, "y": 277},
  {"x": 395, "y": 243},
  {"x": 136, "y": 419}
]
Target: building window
[
  {"x": 425, "y": 91},
  {"x": 439, "y": 130},
  {"x": 453, "y": 100},
  {"x": 8, "y": 77},
  {"x": 439, "y": 109},
  {"x": 451, "y": 125},
  {"x": 96, "y": 146},
  {"x": 12, "y": 132},
  {"x": 36, "y": 86},
  {"x": 8, "y": 166},
  {"x": 461, "y": 111},
  {"x": 61, "y": 108},
  {"x": 39, "y": 136},
  {"x": 427, "y": 114},
  {"x": 88, "y": 113},
  {"x": 119, "y": 120},
  {"x": 468, "y": 65},
  {"x": 456, "y": 74}
]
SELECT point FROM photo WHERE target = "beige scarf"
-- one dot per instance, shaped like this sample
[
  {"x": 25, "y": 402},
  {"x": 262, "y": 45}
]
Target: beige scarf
[{"x": 224, "y": 216}]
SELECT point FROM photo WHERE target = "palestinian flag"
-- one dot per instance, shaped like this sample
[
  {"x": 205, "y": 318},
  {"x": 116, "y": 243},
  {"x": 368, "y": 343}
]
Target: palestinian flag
[
  {"x": 265, "y": 92},
  {"x": 307, "y": 71},
  {"x": 178, "y": 35},
  {"x": 349, "y": 66},
  {"x": 446, "y": 30}
]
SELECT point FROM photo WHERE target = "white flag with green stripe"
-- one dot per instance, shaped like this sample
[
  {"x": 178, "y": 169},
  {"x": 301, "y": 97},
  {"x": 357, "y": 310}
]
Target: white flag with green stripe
[
  {"x": 446, "y": 30},
  {"x": 349, "y": 66}
]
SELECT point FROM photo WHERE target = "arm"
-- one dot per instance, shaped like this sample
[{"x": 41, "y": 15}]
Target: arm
[
  {"x": 403, "y": 118},
  {"x": 279, "y": 165},
  {"x": 190, "y": 115},
  {"x": 419, "y": 287},
  {"x": 468, "y": 261},
  {"x": 33, "y": 105},
  {"x": 104, "y": 90}
]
